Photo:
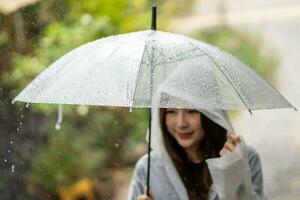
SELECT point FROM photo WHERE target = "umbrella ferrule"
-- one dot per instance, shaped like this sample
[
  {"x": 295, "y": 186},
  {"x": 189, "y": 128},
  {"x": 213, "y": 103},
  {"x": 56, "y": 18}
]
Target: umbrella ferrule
[{"x": 153, "y": 23}]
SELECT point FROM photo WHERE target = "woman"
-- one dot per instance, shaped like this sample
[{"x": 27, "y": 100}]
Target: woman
[{"x": 195, "y": 158}]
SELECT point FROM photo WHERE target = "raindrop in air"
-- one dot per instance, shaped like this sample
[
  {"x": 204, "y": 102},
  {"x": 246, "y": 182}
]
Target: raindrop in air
[
  {"x": 11, "y": 142},
  {"x": 21, "y": 123},
  {"x": 18, "y": 129},
  {"x": 27, "y": 105},
  {"x": 5, "y": 160},
  {"x": 8, "y": 151},
  {"x": 130, "y": 109},
  {"x": 13, "y": 168},
  {"x": 117, "y": 145}
]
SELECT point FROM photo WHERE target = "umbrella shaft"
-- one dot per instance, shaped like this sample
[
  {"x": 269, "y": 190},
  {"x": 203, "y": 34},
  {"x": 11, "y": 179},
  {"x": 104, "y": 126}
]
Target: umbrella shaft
[{"x": 149, "y": 149}]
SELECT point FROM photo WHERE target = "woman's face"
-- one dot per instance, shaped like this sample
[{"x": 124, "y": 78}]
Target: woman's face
[{"x": 185, "y": 126}]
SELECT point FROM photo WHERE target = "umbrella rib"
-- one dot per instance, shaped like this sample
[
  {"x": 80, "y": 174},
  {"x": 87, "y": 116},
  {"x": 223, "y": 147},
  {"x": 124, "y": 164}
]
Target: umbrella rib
[
  {"x": 114, "y": 51},
  {"x": 179, "y": 55},
  {"x": 229, "y": 83},
  {"x": 134, "y": 91}
]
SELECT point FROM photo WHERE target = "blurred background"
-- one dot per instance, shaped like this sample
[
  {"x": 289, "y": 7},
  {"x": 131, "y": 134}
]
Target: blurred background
[{"x": 92, "y": 156}]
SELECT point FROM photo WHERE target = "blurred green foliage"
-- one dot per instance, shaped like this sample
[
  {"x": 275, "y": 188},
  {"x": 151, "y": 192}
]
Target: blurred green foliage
[{"x": 66, "y": 159}]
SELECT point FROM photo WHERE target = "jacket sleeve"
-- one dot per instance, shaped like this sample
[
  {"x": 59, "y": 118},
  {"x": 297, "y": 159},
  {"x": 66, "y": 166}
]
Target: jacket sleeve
[
  {"x": 138, "y": 181},
  {"x": 237, "y": 175},
  {"x": 256, "y": 173}
]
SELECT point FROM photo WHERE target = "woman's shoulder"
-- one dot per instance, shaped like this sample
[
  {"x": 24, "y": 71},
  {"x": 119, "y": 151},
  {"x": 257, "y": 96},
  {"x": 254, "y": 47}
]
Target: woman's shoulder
[{"x": 143, "y": 161}]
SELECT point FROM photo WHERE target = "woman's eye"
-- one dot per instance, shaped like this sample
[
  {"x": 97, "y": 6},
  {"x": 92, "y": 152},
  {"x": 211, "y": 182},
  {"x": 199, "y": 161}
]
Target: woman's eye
[
  {"x": 170, "y": 111},
  {"x": 193, "y": 111}
]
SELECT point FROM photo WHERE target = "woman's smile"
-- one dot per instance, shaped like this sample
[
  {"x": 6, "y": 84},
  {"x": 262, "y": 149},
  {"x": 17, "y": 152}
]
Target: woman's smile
[{"x": 185, "y": 135}]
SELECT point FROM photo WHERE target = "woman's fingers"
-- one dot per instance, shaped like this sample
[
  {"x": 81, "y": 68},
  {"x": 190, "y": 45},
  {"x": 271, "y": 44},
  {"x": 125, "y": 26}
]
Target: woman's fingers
[
  {"x": 234, "y": 138},
  {"x": 230, "y": 144},
  {"x": 150, "y": 193},
  {"x": 227, "y": 148},
  {"x": 224, "y": 151},
  {"x": 143, "y": 197}
]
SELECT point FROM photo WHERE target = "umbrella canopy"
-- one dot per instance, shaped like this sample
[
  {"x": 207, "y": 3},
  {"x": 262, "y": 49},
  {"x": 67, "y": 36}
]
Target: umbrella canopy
[{"x": 125, "y": 70}]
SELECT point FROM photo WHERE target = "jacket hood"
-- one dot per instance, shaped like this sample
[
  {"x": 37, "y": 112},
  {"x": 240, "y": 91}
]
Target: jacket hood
[{"x": 177, "y": 99}]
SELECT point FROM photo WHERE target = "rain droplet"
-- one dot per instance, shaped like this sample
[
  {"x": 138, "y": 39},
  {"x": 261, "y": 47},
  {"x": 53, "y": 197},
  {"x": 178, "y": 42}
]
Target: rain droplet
[
  {"x": 11, "y": 142},
  {"x": 27, "y": 105},
  {"x": 5, "y": 160},
  {"x": 18, "y": 129},
  {"x": 13, "y": 168},
  {"x": 130, "y": 109},
  {"x": 8, "y": 151},
  {"x": 21, "y": 123},
  {"x": 117, "y": 145},
  {"x": 82, "y": 110}
]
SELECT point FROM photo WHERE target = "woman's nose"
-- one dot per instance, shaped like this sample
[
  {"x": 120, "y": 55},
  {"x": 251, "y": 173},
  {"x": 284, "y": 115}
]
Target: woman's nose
[{"x": 181, "y": 120}]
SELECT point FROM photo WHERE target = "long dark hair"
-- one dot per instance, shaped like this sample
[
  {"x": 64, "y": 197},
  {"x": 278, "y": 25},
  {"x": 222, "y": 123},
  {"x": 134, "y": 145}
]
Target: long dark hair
[{"x": 209, "y": 147}]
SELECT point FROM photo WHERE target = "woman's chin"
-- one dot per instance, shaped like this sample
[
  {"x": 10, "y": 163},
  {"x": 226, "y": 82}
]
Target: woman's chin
[{"x": 185, "y": 144}]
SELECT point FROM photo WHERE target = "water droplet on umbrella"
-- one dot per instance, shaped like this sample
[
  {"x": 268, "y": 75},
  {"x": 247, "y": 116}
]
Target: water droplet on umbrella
[
  {"x": 58, "y": 126},
  {"x": 59, "y": 117},
  {"x": 13, "y": 168}
]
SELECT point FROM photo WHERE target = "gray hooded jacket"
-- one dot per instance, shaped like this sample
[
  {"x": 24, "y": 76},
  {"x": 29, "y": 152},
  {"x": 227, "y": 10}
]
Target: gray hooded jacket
[{"x": 236, "y": 176}]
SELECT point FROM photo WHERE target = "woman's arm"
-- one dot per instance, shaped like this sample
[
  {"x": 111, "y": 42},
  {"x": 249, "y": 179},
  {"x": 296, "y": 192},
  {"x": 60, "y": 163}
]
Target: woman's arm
[
  {"x": 256, "y": 173},
  {"x": 237, "y": 174}
]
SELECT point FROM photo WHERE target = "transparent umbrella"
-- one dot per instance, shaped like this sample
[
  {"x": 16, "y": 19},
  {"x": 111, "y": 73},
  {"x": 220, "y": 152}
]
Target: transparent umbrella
[{"x": 126, "y": 70}]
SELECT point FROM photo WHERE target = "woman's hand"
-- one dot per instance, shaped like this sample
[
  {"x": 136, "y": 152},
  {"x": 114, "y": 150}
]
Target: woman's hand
[
  {"x": 143, "y": 197},
  {"x": 232, "y": 141}
]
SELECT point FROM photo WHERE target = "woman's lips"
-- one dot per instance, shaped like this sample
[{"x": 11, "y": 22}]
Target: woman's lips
[{"x": 185, "y": 135}]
